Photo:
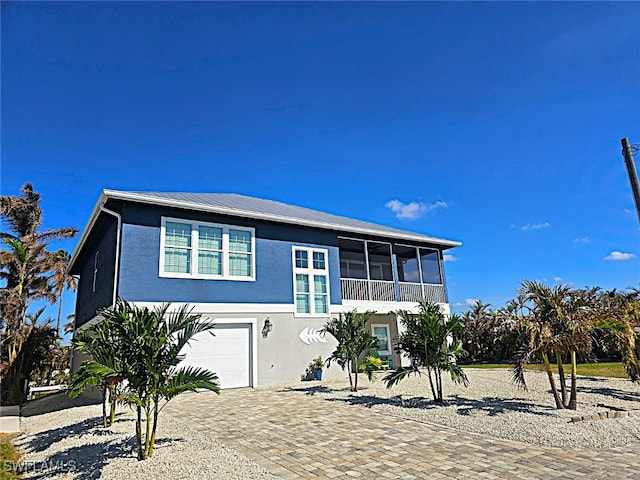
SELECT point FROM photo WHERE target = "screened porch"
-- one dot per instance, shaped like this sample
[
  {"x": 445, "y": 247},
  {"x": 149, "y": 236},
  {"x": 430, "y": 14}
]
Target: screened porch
[{"x": 386, "y": 272}]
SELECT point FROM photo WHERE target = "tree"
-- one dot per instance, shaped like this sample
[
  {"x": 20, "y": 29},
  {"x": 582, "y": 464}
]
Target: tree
[
  {"x": 149, "y": 344},
  {"x": 349, "y": 329},
  {"x": 480, "y": 332},
  {"x": 101, "y": 343},
  {"x": 429, "y": 340},
  {"x": 62, "y": 280},
  {"x": 550, "y": 327},
  {"x": 34, "y": 355},
  {"x": 561, "y": 323},
  {"x": 26, "y": 273},
  {"x": 616, "y": 315}
]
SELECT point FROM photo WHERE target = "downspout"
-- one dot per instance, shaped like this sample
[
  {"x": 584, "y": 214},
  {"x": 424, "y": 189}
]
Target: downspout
[{"x": 117, "y": 265}]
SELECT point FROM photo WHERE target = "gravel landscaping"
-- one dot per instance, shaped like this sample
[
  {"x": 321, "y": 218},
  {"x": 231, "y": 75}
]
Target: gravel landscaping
[
  {"x": 63, "y": 438},
  {"x": 494, "y": 406}
]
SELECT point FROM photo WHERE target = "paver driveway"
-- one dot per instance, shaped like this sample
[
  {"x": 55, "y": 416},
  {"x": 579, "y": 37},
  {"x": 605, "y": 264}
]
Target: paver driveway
[{"x": 294, "y": 434}]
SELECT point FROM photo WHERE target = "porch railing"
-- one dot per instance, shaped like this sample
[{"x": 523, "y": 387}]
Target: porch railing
[
  {"x": 371, "y": 290},
  {"x": 383, "y": 291},
  {"x": 416, "y": 292}
]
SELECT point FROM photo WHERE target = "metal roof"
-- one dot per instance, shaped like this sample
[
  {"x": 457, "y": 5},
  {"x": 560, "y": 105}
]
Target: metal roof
[
  {"x": 258, "y": 208},
  {"x": 252, "y": 207}
]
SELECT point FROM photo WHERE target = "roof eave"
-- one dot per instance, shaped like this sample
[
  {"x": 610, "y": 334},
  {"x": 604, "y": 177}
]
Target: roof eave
[
  {"x": 87, "y": 229},
  {"x": 277, "y": 218}
]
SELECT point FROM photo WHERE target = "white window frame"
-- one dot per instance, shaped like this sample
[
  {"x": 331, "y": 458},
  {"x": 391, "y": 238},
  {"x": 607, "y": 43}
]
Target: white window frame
[
  {"x": 194, "y": 251},
  {"x": 373, "y": 332},
  {"x": 310, "y": 271}
]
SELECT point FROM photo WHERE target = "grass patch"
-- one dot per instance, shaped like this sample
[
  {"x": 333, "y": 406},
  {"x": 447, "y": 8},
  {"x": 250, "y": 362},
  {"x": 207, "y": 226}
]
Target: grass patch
[
  {"x": 9, "y": 458},
  {"x": 605, "y": 369}
]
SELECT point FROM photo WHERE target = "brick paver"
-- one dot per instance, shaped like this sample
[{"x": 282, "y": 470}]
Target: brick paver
[{"x": 297, "y": 435}]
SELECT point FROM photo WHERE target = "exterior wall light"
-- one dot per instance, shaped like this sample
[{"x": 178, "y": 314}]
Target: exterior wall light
[{"x": 268, "y": 326}]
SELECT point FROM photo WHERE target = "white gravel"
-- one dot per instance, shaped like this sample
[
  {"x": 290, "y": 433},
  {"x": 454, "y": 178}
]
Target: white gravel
[
  {"x": 494, "y": 406},
  {"x": 63, "y": 438}
]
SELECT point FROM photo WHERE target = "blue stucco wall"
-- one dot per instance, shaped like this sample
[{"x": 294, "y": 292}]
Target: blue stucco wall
[
  {"x": 89, "y": 299},
  {"x": 140, "y": 281}
]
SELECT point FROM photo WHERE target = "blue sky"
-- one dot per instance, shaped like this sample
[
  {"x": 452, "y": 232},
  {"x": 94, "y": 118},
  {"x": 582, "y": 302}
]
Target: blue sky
[{"x": 497, "y": 124}]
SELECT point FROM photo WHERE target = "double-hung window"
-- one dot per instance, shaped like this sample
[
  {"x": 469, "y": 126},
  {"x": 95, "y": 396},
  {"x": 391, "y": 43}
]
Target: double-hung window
[
  {"x": 310, "y": 281},
  {"x": 205, "y": 250}
]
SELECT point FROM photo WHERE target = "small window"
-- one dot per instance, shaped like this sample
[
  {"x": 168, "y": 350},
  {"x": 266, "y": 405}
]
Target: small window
[
  {"x": 320, "y": 293},
  {"x": 302, "y": 259},
  {"x": 302, "y": 294},
  {"x": 177, "y": 253},
  {"x": 209, "y": 250},
  {"x": 318, "y": 260},
  {"x": 239, "y": 253}
]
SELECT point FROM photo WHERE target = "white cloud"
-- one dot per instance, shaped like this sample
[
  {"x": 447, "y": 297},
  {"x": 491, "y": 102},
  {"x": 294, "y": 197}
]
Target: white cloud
[
  {"x": 617, "y": 256},
  {"x": 447, "y": 257},
  {"x": 413, "y": 210},
  {"x": 582, "y": 240},
  {"x": 532, "y": 226},
  {"x": 469, "y": 302},
  {"x": 557, "y": 279}
]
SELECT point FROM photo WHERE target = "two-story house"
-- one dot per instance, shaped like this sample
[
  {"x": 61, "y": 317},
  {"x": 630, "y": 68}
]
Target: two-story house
[{"x": 268, "y": 273}]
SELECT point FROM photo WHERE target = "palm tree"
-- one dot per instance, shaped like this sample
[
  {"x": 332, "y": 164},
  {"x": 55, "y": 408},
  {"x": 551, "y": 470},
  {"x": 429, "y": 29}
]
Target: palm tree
[
  {"x": 25, "y": 268},
  {"x": 35, "y": 352},
  {"x": 103, "y": 346},
  {"x": 353, "y": 338},
  {"x": 147, "y": 358},
  {"x": 62, "y": 280},
  {"x": 429, "y": 340},
  {"x": 479, "y": 335},
  {"x": 615, "y": 315},
  {"x": 556, "y": 325}
]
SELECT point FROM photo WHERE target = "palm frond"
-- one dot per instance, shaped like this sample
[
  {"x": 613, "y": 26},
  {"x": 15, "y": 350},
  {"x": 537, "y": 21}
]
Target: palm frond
[
  {"x": 190, "y": 379},
  {"x": 400, "y": 373}
]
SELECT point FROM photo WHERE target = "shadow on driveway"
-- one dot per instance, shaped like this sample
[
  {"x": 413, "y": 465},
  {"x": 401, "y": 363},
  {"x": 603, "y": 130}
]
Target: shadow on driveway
[{"x": 492, "y": 406}]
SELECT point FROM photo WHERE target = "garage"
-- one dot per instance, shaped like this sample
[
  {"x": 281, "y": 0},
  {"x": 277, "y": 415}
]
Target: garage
[{"x": 228, "y": 354}]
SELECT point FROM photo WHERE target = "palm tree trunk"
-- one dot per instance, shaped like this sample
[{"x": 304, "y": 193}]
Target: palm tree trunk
[
  {"x": 563, "y": 380},
  {"x": 552, "y": 381},
  {"x": 104, "y": 405},
  {"x": 147, "y": 437},
  {"x": 59, "y": 316},
  {"x": 355, "y": 375},
  {"x": 573, "y": 401},
  {"x": 139, "y": 433},
  {"x": 152, "y": 443},
  {"x": 349, "y": 368},
  {"x": 439, "y": 384},
  {"x": 112, "y": 401},
  {"x": 433, "y": 390}
]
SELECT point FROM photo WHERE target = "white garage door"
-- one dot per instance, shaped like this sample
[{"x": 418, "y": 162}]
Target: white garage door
[{"x": 228, "y": 354}]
